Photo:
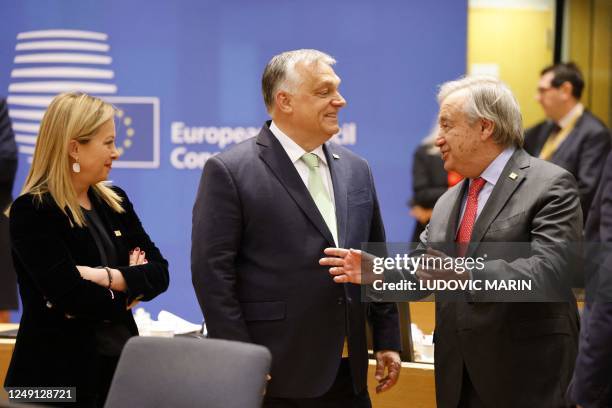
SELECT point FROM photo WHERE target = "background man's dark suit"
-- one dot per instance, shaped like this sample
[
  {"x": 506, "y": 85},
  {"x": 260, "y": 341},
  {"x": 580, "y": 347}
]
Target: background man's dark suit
[
  {"x": 256, "y": 241},
  {"x": 516, "y": 354},
  {"x": 582, "y": 153},
  {"x": 592, "y": 382},
  {"x": 8, "y": 168},
  {"x": 429, "y": 182}
]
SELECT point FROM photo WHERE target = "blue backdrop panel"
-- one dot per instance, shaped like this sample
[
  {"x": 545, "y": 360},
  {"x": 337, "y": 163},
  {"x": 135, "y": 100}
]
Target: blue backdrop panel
[{"x": 185, "y": 77}]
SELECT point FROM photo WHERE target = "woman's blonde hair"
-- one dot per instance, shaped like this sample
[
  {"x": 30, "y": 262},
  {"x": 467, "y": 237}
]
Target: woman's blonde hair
[{"x": 70, "y": 116}]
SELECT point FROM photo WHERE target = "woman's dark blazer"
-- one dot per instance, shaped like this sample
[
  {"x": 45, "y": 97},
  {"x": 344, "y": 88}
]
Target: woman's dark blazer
[
  {"x": 56, "y": 343},
  {"x": 429, "y": 179}
]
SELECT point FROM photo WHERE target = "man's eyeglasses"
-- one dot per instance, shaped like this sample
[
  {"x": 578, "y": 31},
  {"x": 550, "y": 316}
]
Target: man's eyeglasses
[{"x": 544, "y": 90}]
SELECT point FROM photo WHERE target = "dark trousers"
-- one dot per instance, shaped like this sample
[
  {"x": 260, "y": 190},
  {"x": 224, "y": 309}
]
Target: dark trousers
[
  {"x": 340, "y": 395},
  {"x": 469, "y": 396},
  {"x": 106, "y": 370}
]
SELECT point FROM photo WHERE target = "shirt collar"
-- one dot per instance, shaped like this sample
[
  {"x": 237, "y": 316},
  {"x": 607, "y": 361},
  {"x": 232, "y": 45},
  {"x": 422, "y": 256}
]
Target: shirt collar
[
  {"x": 294, "y": 150},
  {"x": 575, "y": 112},
  {"x": 495, "y": 168}
]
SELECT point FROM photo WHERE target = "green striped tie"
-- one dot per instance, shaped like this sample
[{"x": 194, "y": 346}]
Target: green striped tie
[{"x": 319, "y": 193}]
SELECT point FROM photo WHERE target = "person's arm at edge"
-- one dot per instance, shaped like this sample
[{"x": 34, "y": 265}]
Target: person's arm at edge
[
  {"x": 595, "y": 151},
  {"x": 383, "y": 316}
]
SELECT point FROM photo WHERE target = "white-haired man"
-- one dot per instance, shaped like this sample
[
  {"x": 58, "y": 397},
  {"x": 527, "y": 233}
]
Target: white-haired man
[
  {"x": 264, "y": 212},
  {"x": 510, "y": 354}
]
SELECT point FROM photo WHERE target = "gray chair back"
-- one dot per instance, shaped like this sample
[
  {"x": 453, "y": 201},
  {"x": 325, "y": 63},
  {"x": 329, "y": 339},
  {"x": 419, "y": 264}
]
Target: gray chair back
[{"x": 185, "y": 372}]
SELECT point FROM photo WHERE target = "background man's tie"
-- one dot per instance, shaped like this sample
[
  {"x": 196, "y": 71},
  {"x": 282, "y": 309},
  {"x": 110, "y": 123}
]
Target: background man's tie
[{"x": 550, "y": 145}]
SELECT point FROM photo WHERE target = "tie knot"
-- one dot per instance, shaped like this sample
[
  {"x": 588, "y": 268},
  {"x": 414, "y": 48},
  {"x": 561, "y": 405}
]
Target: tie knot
[
  {"x": 476, "y": 186},
  {"x": 555, "y": 128},
  {"x": 311, "y": 160}
]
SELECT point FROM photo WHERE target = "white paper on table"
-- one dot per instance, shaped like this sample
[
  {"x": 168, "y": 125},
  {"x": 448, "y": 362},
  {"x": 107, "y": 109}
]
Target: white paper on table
[{"x": 176, "y": 324}]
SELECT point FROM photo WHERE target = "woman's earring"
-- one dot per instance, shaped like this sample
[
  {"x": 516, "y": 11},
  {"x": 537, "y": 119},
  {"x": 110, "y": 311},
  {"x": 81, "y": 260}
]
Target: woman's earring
[{"x": 76, "y": 167}]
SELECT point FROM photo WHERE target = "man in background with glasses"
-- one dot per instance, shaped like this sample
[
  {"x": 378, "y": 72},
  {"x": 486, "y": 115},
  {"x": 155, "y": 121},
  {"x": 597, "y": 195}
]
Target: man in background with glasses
[{"x": 571, "y": 136}]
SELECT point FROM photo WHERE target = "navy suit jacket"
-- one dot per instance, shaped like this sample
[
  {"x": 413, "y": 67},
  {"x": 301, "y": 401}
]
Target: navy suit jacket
[
  {"x": 8, "y": 169},
  {"x": 256, "y": 240},
  {"x": 582, "y": 153},
  {"x": 592, "y": 382},
  {"x": 8, "y": 147}
]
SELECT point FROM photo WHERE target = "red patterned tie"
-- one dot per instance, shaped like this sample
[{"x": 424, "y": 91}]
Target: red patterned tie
[{"x": 469, "y": 216}]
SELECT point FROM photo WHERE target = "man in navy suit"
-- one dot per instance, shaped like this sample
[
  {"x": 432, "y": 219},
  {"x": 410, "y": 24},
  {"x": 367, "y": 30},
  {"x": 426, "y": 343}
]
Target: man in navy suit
[
  {"x": 571, "y": 137},
  {"x": 264, "y": 213},
  {"x": 592, "y": 382}
]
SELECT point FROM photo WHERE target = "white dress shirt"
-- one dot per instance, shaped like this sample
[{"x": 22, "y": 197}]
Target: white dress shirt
[
  {"x": 295, "y": 153},
  {"x": 491, "y": 175},
  {"x": 576, "y": 111}
]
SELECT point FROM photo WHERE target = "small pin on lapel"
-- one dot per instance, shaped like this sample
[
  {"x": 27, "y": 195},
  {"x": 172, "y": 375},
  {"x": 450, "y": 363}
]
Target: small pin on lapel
[
  {"x": 117, "y": 233},
  {"x": 513, "y": 175},
  {"x": 335, "y": 156}
]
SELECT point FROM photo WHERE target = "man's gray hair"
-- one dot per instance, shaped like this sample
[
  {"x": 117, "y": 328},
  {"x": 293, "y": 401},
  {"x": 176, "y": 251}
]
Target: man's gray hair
[
  {"x": 280, "y": 72},
  {"x": 489, "y": 98}
]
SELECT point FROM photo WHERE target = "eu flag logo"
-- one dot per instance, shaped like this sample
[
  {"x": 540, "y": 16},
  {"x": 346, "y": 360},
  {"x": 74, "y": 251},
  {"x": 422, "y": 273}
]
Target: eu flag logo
[
  {"x": 137, "y": 127},
  {"x": 48, "y": 62}
]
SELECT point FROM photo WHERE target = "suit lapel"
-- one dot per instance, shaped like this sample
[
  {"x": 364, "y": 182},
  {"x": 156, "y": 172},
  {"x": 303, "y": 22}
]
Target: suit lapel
[
  {"x": 543, "y": 137},
  {"x": 275, "y": 157},
  {"x": 570, "y": 136},
  {"x": 455, "y": 212},
  {"x": 338, "y": 176},
  {"x": 503, "y": 190}
]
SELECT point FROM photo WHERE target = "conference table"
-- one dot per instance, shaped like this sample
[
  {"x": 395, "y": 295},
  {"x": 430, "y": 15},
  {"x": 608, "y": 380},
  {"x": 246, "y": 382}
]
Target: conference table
[{"x": 415, "y": 388}]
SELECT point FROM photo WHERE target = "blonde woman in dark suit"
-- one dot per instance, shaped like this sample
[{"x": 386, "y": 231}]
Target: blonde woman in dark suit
[{"x": 81, "y": 254}]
